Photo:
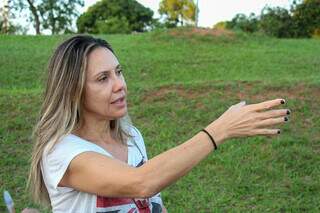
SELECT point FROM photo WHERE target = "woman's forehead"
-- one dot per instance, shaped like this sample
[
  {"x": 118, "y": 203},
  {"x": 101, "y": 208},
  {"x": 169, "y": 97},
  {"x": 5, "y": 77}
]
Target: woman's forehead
[{"x": 101, "y": 59}]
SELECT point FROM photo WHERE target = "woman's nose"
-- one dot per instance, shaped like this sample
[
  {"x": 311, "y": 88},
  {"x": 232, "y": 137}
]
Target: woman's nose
[{"x": 118, "y": 84}]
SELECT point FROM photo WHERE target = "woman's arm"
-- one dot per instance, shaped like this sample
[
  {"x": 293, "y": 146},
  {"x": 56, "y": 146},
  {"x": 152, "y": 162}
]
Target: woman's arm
[
  {"x": 95, "y": 173},
  {"x": 98, "y": 174},
  {"x": 238, "y": 121}
]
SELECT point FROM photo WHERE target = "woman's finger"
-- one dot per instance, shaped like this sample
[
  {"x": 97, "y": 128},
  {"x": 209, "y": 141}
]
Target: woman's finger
[
  {"x": 267, "y": 131},
  {"x": 272, "y": 121},
  {"x": 266, "y": 105},
  {"x": 274, "y": 113}
]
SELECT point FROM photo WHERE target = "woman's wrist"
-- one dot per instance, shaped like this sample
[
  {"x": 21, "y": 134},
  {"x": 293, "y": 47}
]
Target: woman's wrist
[{"x": 217, "y": 131}]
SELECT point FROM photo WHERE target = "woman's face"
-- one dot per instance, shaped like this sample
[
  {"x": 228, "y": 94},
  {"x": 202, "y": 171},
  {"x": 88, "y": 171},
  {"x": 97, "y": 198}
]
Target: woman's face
[{"x": 104, "y": 85}]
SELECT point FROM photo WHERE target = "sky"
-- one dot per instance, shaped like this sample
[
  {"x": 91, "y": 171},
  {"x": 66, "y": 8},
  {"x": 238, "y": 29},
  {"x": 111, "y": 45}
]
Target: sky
[
  {"x": 210, "y": 11},
  {"x": 214, "y": 11}
]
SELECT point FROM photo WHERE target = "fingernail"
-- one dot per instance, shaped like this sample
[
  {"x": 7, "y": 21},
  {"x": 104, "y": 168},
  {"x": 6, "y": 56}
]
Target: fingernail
[
  {"x": 286, "y": 119},
  {"x": 282, "y": 101},
  {"x": 279, "y": 132},
  {"x": 288, "y": 112}
]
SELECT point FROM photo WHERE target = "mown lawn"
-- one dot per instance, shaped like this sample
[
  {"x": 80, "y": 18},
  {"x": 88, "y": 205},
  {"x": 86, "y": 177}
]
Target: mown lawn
[{"x": 177, "y": 85}]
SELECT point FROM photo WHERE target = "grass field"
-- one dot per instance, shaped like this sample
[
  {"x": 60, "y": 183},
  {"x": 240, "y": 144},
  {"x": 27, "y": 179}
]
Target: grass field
[{"x": 179, "y": 83}]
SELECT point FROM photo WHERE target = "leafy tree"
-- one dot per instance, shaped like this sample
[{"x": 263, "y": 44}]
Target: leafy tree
[
  {"x": 115, "y": 16},
  {"x": 58, "y": 15},
  {"x": 306, "y": 16},
  {"x": 178, "y": 11},
  {"x": 55, "y": 15},
  {"x": 277, "y": 22}
]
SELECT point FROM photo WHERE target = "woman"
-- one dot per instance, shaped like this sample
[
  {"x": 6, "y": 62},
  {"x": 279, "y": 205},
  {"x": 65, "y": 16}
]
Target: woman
[{"x": 88, "y": 157}]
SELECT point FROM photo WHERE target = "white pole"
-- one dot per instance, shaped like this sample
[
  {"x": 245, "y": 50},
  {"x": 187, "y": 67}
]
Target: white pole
[{"x": 197, "y": 13}]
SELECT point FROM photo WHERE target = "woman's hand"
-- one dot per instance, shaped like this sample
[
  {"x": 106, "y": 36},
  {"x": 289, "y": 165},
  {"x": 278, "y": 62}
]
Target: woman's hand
[{"x": 243, "y": 120}]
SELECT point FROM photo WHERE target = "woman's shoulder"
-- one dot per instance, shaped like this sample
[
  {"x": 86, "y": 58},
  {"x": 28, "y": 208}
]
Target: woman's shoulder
[
  {"x": 135, "y": 132},
  {"x": 69, "y": 144},
  {"x": 139, "y": 141}
]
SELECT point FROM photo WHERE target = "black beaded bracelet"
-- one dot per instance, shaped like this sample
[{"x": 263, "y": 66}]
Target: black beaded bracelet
[{"x": 212, "y": 140}]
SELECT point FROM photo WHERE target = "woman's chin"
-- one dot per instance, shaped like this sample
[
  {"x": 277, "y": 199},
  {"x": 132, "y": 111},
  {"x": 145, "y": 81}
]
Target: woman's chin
[{"x": 120, "y": 114}]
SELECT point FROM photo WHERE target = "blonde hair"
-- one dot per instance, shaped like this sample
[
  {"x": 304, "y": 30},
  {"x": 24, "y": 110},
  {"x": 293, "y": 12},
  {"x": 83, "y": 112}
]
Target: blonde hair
[{"x": 61, "y": 109}]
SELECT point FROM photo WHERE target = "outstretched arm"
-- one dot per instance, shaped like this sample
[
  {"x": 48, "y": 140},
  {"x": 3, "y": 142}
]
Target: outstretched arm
[{"x": 90, "y": 172}]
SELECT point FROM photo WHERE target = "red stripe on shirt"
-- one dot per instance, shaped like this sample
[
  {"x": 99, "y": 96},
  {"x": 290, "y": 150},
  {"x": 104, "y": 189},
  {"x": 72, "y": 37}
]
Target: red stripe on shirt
[{"x": 109, "y": 202}]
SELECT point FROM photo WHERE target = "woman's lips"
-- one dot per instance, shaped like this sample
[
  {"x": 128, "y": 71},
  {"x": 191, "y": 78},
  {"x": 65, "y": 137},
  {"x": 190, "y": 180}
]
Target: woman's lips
[{"x": 120, "y": 102}]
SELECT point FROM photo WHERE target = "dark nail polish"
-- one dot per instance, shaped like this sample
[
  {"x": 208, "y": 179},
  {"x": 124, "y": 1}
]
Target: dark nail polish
[
  {"x": 286, "y": 119},
  {"x": 288, "y": 112},
  {"x": 279, "y": 132},
  {"x": 282, "y": 101}
]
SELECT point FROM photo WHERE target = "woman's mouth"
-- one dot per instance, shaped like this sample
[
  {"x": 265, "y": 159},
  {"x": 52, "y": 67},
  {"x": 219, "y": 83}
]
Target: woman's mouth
[{"x": 120, "y": 102}]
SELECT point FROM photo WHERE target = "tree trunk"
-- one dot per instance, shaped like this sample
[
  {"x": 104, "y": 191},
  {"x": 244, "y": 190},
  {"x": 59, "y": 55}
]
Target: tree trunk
[
  {"x": 52, "y": 18},
  {"x": 36, "y": 16}
]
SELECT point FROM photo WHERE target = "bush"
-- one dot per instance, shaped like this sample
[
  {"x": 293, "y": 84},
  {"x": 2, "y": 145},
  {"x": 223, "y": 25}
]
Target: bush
[{"x": 244, "y": 23}]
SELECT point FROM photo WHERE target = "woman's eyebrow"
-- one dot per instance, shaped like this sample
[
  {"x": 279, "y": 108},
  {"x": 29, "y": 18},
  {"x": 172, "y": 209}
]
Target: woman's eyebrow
[{"x": 105, "y": 71}]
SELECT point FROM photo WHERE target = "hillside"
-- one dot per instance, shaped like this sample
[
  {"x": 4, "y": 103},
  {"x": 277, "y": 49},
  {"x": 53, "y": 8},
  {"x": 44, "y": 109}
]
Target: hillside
[{"x": 178, "y": 83}]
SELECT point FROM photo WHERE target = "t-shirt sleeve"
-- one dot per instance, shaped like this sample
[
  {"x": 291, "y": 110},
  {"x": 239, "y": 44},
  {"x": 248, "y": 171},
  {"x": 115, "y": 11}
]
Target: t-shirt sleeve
[{"x": 56, "y": 162}]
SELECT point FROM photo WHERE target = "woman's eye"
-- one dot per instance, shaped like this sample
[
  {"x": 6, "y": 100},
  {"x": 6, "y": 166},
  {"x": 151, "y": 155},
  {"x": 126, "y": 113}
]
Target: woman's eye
[
  {"x": 102, "y": 79},
  {"x": 105, "y": 77}
]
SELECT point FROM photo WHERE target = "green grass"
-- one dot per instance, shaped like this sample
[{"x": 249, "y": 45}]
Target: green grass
[{"x": 177, "y": 85}]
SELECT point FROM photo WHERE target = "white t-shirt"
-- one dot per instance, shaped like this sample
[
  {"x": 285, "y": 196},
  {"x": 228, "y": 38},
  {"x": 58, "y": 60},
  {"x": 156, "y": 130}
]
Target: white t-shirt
[{"x": 66, "y": 199}]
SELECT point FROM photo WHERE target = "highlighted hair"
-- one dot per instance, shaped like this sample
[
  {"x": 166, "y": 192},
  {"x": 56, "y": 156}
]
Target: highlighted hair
[{"x": 61, "y": 108}]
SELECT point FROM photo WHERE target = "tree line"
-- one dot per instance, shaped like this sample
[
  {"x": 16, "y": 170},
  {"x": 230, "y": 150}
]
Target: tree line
[
  {"x": 127, "y": 16},
  {"x": 105, "y": 16},
  {"x": 301, "y": 20}
]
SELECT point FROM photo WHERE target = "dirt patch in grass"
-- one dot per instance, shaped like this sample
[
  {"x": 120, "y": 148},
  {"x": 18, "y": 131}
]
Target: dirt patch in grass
[
  {"x": 162, "y": 93},
  {"x": 302, "y": 100},
  {"x": 243, "y": 90},
  {"x": 300, "y": 92}
]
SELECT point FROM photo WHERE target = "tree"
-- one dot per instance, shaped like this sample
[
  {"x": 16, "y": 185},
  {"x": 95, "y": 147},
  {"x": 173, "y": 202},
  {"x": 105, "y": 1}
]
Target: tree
[
  {"x": 178, "y": 11},
  {"x": 55, "y": 15},
  {"x": 7, "y": 26},
  {"x": 58, "y": 15},
  {"x": 20, "y": 6},
  {"x": 306, "y": 16},
  {"x": 35, "y": 14},
  {"x": 115, "y": 16},
  {"x": 277, "y": 22}
]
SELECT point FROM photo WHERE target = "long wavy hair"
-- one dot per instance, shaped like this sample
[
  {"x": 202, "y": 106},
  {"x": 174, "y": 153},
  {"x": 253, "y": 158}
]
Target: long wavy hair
[{"x": 61, "y": 109}]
